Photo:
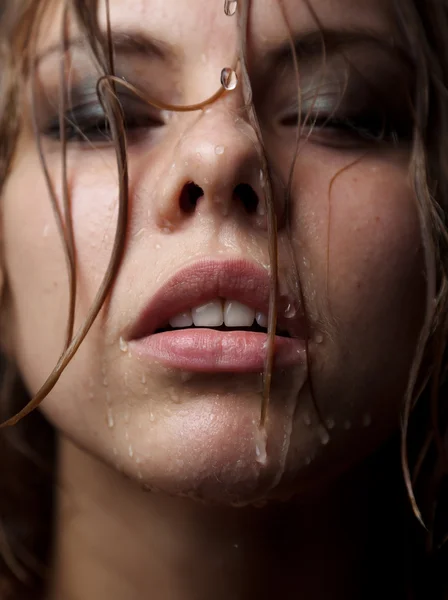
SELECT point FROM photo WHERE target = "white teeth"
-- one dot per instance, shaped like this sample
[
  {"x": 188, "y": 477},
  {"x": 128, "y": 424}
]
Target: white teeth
[
  {"x": 213, "y": 314},
  {"x": 237, "y": 314},
  {"x": 183, "y": 319},
  {"x": 262, "y": 320},
  {"x": 208, "y": 315}
]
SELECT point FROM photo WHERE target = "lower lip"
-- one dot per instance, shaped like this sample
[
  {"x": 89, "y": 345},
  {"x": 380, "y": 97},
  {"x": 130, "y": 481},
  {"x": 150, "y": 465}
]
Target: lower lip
[{"x": 211, "y": 351}]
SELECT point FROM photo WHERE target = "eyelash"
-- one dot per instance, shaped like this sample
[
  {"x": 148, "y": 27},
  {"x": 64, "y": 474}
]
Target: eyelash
[
  {"x": 368, "y": 126},
  {"x": 88, "y": 123}
]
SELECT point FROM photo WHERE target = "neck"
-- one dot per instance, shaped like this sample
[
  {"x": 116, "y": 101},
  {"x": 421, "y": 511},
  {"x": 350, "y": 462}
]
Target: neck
[{"x": 115, "y": 541}]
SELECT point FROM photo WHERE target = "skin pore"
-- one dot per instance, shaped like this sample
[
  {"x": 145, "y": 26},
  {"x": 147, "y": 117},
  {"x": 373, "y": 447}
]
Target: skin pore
[{"x": 355, "y": 239}]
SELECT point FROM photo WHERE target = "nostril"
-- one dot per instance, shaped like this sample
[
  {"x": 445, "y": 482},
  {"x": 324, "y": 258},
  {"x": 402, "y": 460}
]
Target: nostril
[
  {"x": 189, "y": 197},
  {"x": 246, "y": 194}
]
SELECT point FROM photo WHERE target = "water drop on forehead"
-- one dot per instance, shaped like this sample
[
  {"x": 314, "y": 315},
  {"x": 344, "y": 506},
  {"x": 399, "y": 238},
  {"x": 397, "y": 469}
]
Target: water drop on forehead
[
  {"x": 230, "y": 7},
  {"x": 219, "y": 149},
  {"x": 229, "y": 79}
]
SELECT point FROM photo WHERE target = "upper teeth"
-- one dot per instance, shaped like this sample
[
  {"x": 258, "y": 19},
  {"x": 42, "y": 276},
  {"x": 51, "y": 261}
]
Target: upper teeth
[{"x": 218, "y": 312}]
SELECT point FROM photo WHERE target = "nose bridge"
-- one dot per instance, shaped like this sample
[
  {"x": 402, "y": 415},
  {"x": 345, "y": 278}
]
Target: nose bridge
[
  {"x": 215, "y": 167},
  {"x": 222, "y": 148}
]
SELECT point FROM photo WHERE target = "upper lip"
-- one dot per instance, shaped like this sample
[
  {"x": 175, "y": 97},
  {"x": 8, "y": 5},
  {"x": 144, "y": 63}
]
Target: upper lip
[{"x": 207, "y": 280}]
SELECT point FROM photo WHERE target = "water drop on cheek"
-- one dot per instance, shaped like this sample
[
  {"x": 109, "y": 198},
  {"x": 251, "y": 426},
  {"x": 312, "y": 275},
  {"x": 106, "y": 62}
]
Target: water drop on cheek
[
  {"x": 143, "y": 380},
  {"x": 230, "y": 7},
  {"x": 123, "y": 345},
  {"x": 110, "y": 418},
  {"x": 307, "y": 419},
  {"x": 219, "y": 149},
  {"x": 131, "y": 451}
]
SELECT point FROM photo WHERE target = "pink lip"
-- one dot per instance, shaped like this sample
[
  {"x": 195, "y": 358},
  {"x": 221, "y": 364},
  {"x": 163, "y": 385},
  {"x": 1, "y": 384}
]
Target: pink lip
[{"x": 209, "y": 350}]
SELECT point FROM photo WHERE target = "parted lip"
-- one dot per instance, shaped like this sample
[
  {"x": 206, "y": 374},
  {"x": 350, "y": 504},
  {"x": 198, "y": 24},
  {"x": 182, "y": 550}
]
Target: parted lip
[{"x": 208, "y": 279}]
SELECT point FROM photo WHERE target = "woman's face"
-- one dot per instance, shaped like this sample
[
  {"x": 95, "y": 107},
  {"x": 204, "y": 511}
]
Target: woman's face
[{"x": 179, "y": 410}]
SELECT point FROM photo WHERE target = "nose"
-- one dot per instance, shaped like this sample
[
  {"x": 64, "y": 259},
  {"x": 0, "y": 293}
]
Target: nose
[{"x": 216, "y": 170}]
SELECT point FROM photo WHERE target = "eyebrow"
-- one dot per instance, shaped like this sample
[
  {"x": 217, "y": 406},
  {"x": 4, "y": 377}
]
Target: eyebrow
[
  {"x": 307, "y": 45},
  {"x": 124, "y": 43},
  {"x": 311, "y": 44}
]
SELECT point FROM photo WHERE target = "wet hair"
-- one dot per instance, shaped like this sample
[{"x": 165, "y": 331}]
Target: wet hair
[{"x": 28, "y": 450}]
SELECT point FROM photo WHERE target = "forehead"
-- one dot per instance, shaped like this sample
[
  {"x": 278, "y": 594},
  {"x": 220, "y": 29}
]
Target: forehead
[{"x": 198, "y": 26}]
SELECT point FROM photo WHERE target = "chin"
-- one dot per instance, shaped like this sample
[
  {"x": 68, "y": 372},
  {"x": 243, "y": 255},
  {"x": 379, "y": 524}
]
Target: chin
[{"x": 217, "y": 454}]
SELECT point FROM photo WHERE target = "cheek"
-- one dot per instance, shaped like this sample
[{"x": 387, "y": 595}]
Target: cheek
[
  {"x": 358, "y": 240},
  {"x": 35, "y": 260}
]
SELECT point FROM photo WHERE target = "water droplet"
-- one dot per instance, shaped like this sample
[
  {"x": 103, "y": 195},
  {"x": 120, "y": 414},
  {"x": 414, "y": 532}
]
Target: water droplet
[
  {"x": 330, "y": 423},
  {"x": 219, "y": 150},
  {"x": 306, "y": 263},
  {"x": 144, "y": 378},
  {"x": 46, "y": 230},
  {"x": 145, "y": 391},
  {"x": 229, "y": 79},
  {"x": 307, "y": 419},
  {"x": 123, "y": 345},
  {"x": 110, "y": 419},
  {"x": 115, "y": 451},
  {"x": 260, "y": 445},
  {"x": 138, "y": 460},
  {"x": 319, "y": 338},
  {"x": 367, "y": 420},
  {"x": 166, "y": 225},
  {"x": 261, "y": 209},
  {"x": 131, "y": 451},
  {"x": 91, "y": 396},
  {"x": 105, "y": 382},
  {"x": 126, "y": 417},
  {"x": 174, "y": 396},
  {"x": 230, "y": 7},
  {"x": 152, "y": 417},
  {"x": 308, "y": 460},
  {"x": 184, "y": 377},
  {"x": 198, "y": 155},
  {"x": 158, "y": 246},
  {"x": 324, "y": 436},
  {"x": 290, "y": 311},
  {"x": 262, "y": 178},
  {"x": 140, "y": 232},
  {"x": 236, "y": 545},
  {"x": 108, "y": 398}
]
